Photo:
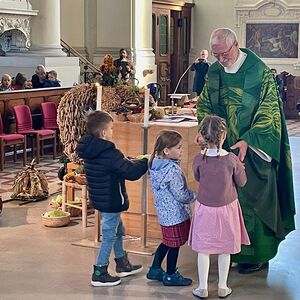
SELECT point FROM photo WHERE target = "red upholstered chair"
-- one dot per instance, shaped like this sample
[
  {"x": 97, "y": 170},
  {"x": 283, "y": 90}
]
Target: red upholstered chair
[
  {"x": 24, "y": 126},
  {"x": 49, "y": 115},
  {"x": 9, "y": 140}
]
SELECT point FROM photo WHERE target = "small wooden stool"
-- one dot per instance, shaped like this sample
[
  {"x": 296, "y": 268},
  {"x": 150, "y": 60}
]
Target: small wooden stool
[{"x": 84, "y": 199}]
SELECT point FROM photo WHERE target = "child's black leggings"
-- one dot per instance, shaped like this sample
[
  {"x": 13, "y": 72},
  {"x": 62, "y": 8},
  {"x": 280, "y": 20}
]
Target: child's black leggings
[{"x": 172, "y": 257}]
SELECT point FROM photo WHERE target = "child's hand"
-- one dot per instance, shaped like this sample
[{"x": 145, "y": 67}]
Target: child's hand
[{"x": 142, "y": 156}]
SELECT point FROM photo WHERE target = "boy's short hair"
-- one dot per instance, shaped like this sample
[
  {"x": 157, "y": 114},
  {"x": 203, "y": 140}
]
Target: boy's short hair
[
  {"x": 97, "y": 121},
  {"x": 53, "y": 73}
]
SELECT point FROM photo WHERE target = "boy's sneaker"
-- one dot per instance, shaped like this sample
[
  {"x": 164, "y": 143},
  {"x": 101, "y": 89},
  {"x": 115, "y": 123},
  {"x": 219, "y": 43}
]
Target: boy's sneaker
[
  {"x": 125, "y": 268},
  {"x": 176, "y": 279},
  {"x": 101, "y": 277},
  {"x": 155, "y": 274}
]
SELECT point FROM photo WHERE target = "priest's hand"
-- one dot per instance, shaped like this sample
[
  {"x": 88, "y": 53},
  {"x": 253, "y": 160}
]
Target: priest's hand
[
  {"x": 200, "y": 141},
  {"x": 242, "y": 146}
]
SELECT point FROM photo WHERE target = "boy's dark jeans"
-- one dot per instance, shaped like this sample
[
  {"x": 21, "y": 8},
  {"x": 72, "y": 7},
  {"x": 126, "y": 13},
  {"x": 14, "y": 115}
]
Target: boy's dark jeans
[{"x": 112, "y": 237}]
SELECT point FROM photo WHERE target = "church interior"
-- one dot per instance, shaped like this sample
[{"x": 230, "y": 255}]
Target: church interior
[{"x": 79, "y": 42}]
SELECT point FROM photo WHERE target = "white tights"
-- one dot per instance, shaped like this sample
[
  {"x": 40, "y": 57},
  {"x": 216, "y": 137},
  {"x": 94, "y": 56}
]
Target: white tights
[{"x": 203, "y": 269}]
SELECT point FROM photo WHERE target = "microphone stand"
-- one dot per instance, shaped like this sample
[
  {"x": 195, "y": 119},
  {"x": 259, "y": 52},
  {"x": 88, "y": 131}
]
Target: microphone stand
[{"x": 172, "y": 98}]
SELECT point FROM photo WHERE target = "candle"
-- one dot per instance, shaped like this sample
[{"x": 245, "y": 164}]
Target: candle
[
  {"x": 99, "y": 97},
  {"x": 146, "y": 108}
]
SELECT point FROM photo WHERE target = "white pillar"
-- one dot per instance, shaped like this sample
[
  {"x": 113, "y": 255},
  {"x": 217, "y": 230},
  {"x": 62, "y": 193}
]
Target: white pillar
[
  {"x": 141, "y": 41},
  {"x": 45, "y": 36}
]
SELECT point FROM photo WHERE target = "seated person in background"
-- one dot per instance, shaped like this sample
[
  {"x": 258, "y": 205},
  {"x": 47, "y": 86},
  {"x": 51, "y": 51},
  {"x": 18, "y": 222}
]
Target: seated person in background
[
  {"x": 20, "y": 82},
  {"x": 39, "y": 77},
  {"x": 124, "y": 66},
  {"x": 52, "y": 80},
  {"x": 5, "y": 83},
  {"x": 28, "y": 84}
]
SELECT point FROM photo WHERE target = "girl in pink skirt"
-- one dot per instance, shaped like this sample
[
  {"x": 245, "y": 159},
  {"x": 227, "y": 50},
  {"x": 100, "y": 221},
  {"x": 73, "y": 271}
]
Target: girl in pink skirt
[{"x": 218, "y": 225}]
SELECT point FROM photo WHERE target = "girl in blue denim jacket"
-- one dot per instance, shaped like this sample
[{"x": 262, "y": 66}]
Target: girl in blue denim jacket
[{"x": 172, "y": 200}]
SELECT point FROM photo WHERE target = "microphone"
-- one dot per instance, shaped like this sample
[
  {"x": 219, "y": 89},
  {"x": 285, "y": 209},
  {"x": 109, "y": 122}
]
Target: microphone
[
  {"x": 172, "y": 96},
  {"x": 181, "y": 79}
]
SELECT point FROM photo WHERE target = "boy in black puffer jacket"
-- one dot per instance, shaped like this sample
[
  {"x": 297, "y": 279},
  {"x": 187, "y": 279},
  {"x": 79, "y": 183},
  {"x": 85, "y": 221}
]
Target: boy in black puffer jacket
[{"x": 106, "y": 171}]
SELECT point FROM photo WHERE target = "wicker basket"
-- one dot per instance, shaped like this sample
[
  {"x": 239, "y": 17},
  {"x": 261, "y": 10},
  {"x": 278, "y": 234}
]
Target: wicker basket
[
  {"x": 74, "y": 212},
  {"x": 119, "y": 117},
  {"x": 136, "y": 118},
  {"x": 55, "y": 221}
]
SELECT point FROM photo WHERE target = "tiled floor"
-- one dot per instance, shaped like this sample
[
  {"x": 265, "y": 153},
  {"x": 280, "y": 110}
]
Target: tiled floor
[
  {"x": 47, "y": 164},
  {"x": 293, "y": 127},
  {"x": 41, "y": 263}
]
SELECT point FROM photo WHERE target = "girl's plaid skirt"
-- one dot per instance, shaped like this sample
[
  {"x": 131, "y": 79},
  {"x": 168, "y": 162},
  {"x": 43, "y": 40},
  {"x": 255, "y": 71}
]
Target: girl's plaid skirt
[{"x": 176, "y": 235}]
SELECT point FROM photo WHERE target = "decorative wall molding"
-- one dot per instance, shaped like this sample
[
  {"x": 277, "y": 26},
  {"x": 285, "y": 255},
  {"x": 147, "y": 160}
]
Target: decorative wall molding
[
  {"x": 14, "y": 32},
  {"x": 265, "y": 11},
  {"x": 15, "y": 25}
]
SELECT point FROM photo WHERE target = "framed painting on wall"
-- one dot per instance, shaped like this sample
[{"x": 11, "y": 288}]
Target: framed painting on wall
[{"x": 273, "y": 40}]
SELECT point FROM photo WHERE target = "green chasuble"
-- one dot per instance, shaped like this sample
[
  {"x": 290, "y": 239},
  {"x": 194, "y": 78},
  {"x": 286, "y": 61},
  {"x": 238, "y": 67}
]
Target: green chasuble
[{"x": 249, "y": 102}]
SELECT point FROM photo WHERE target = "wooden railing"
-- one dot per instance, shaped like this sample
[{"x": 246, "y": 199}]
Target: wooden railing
[{"x": 89, "y": 70}]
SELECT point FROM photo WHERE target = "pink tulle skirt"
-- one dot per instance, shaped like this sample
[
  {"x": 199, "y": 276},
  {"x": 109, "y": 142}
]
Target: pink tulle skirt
[{"x": 218, "y": 230}]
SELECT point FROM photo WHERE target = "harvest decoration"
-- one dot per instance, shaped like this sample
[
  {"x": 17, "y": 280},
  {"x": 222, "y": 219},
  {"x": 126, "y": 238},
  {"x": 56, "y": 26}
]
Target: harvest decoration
[
  {"x": 30, "y": 184},
  {"x": 121, "y": 100}
]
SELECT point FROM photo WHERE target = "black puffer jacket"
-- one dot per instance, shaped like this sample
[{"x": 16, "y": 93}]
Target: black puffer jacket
[{"x": 106, "y": 170}]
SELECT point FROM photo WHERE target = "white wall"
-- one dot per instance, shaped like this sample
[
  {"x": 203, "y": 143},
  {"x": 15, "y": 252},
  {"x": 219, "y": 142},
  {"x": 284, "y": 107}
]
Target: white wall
[
  {"x": 207, "y": 16},
  {"x": 72, "y": 23}
]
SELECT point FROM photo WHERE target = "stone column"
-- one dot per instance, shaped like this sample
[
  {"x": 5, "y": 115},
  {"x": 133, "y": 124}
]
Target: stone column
[
  {"x": 45, "y": 35},
  {"x": 141, "y": 41}
]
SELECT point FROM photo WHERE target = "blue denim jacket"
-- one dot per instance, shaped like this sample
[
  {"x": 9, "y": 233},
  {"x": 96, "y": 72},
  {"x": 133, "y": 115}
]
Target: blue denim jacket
[{"x": 172, "y": 197}]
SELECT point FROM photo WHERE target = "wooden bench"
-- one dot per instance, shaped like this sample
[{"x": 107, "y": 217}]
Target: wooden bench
[{"x": 31, "y": 97}]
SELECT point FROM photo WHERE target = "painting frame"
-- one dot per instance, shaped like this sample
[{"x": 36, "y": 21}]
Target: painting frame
[{"x": 273, "y": 40}]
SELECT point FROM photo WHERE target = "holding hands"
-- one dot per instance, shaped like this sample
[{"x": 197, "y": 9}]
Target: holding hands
[{"x": 242, "y": 146}]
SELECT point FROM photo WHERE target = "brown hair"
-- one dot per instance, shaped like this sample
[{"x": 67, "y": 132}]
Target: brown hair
[
  {"x": 212, "y": 128},
  {"x": 165, "y": 139},
  {"x": 20, "y": 79},
  {"x": 53, "y": 73},
  {"x": 97, "y": 121}
]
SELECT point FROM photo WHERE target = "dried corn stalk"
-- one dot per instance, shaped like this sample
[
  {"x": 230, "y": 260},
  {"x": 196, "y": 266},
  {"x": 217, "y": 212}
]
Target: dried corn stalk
[
  {"x": 30, "y": 183},
  {"x": 72, "y": 110},
  {"x": 71, "y": 116}
]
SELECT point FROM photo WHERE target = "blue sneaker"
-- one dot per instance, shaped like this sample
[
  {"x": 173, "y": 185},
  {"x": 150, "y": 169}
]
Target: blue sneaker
[
  {"x": 155, "y": 274},
  {"x": 176, "y": 279}
]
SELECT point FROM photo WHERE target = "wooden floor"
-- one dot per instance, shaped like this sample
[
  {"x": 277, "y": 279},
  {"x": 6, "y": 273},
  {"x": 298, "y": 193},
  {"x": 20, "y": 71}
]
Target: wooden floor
[{"x": 41, "y": 263}]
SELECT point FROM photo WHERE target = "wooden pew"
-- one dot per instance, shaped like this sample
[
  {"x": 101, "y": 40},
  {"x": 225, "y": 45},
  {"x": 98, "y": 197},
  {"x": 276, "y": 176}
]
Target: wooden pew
[{"x": 31, "y": 97}]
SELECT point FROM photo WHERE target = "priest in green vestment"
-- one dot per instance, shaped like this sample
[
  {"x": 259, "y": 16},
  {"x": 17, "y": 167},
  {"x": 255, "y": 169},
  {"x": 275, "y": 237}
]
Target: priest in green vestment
[{"x": 241, "y": 89}]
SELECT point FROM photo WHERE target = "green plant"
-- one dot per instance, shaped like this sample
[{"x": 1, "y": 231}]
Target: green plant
[
  {"x": 63, "y": 159},
  {"x": 80, "y": 170}
]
